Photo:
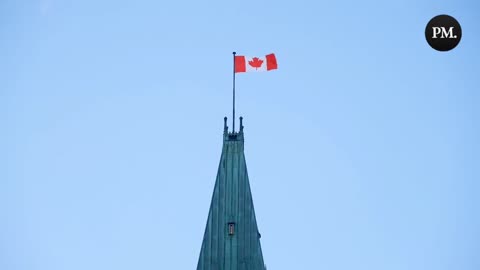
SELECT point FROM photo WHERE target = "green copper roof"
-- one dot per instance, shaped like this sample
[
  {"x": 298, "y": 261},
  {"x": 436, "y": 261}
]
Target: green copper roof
[{"x": 231, "y": 240}]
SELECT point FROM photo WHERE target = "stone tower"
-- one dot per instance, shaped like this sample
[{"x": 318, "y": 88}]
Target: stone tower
[{"x": 231, "y": 240}]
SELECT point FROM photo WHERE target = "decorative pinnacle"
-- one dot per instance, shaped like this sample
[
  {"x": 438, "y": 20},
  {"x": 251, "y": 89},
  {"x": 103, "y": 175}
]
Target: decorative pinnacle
[
  {"x": 225, "y": 127},
  {"x": 241, "y": 124}
]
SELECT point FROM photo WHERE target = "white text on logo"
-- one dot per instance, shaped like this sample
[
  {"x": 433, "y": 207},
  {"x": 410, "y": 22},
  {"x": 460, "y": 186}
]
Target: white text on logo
[{"x": 443, "y": 32}]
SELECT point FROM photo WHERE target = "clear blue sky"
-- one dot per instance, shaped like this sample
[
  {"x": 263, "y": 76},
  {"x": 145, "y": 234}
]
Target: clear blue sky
[{"x": 362, "y": 148}]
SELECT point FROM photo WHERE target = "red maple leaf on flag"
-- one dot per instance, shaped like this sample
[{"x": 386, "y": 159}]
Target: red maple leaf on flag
[{"x": 255, "y": 62}]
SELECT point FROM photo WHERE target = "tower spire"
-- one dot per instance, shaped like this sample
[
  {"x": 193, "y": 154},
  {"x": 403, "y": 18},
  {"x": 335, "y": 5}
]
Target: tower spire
[{"x": 231, "y": 240}]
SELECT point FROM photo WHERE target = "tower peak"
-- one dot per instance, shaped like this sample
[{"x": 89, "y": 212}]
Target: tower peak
[
  {"x": 232, "y": 136},
  {"x": 231, "y": 240}
]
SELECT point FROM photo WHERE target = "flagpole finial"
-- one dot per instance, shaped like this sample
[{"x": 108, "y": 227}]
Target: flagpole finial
[
  {"x": 225, "y": 127},
  {"x": 234, "y": 53}
]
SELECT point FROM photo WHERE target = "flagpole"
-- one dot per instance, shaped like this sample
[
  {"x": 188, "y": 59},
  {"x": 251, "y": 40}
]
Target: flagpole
[{"x": 233, "y": 119}]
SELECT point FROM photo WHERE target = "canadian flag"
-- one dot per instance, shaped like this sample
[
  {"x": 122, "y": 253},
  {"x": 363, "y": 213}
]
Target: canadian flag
[{"x": 247, "y": 64}]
